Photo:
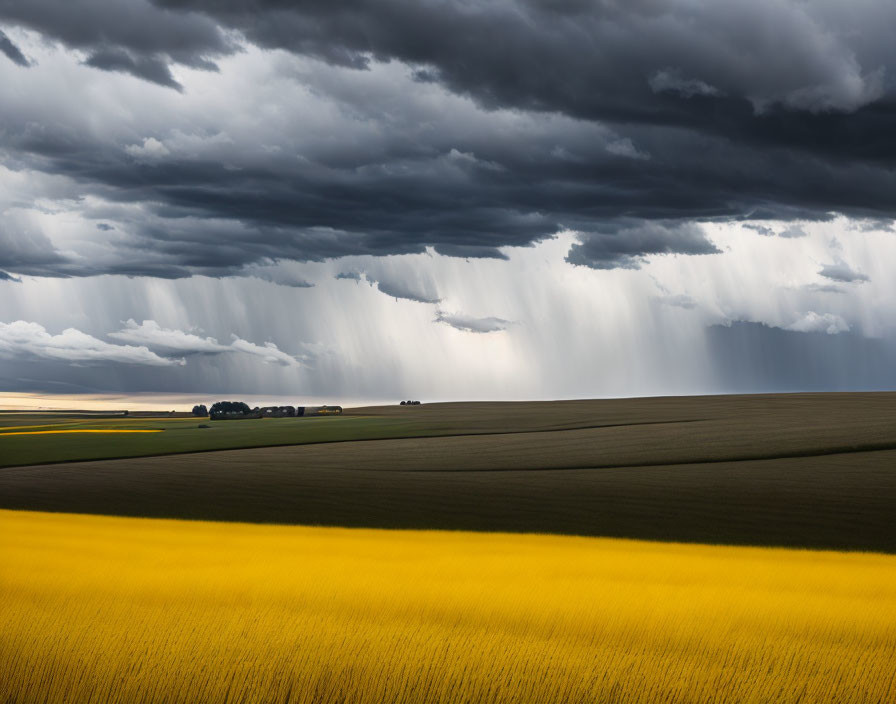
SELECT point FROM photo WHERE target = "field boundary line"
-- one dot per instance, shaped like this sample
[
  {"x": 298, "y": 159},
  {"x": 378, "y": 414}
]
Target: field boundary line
[{"x": 822, "y": 452}]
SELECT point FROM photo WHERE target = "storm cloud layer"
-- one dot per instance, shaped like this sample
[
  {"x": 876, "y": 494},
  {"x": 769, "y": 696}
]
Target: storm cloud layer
[{"x": 389, "y": 126}]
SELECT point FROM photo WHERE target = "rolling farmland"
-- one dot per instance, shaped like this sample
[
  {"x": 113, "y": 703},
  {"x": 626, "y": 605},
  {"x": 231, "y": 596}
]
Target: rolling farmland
[
  {"x": 810, "y": 470},
  {"x": 26, "y": 439},
  {"x": 634, "y": 550},
  {"x": 630, "y": 431}
]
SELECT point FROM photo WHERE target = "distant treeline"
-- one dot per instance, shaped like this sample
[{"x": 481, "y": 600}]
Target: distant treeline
[{"x": 238, "y": 410}]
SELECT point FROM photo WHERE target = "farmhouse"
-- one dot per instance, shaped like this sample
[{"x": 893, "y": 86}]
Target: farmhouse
[
  {"x": 278, "y": 412},
  {"x": 324, "y": 411}
]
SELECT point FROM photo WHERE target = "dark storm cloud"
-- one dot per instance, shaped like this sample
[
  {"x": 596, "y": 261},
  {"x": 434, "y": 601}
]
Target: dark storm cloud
[
  {"x": 649, "y": 115},
  {"x": 132, "y": 36},
  {"x": 26, "y": 250},
  {"x": 13, "y": 53},
  {"x": 470, "y": 251},
  {"x": 198, "y": 217},
  {"x": 623, "y": 248},
  {"x": 712, "y": 64},
  {"x": 148, "y": 68}
]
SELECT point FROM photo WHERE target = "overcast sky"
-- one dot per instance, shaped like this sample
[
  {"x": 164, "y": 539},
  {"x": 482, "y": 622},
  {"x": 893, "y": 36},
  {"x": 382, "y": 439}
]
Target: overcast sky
[{"x": 372, "y": 201}]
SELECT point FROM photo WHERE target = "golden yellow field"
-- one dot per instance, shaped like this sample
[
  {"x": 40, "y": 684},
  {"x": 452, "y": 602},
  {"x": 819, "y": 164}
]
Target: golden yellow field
[{"x": 99, "y": 609}]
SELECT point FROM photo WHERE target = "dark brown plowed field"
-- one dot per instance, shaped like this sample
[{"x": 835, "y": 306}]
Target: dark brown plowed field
[{"x": 809, "y": 470}]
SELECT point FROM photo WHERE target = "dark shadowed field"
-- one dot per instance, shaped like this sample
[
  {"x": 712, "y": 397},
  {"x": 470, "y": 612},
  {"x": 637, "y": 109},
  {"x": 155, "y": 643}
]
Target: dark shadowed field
[{"x": 808, "y": 470}]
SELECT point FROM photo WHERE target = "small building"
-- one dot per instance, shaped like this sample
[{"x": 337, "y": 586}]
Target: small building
[
  {"x": 323, "y": 411},
  {"x": 278, "y": 412}
]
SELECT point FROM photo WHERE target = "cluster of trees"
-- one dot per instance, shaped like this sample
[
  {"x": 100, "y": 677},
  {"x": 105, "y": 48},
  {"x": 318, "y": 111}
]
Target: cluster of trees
[
  {"x": 230, "y": 409},
  {"x": 239, "y": 409},
  {"x": 409, "y": 403}
]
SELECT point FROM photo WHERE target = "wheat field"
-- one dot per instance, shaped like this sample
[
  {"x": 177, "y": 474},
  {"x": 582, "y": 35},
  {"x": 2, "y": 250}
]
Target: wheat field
[{"x": 105, "y": 609}]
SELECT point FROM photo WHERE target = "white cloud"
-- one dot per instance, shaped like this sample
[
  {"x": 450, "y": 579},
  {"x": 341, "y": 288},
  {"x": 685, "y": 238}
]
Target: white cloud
[
  {"x": 173, "y": 341},
  {"x": 21, "y": 339},
  {"x": 149, "y": 150},
  {"x": 819, "y": 322},
  {"x": 269, "y": 352},
  {"x": 170, "y": 341}
]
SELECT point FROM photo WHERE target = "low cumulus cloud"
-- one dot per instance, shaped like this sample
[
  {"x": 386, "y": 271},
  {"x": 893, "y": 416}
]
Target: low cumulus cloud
[
  {"x": 809, "y": 322},
  {"x": 166, "y": 340},
  {"x": 819, "y": 322},
  {"x": 170, "y": 341},
  {"x": 467, "y": 323},
  {"x": 268, "y": 352},
  {"x": 25, "y": 340}
]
